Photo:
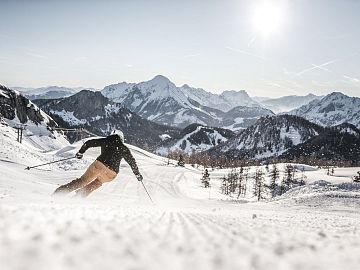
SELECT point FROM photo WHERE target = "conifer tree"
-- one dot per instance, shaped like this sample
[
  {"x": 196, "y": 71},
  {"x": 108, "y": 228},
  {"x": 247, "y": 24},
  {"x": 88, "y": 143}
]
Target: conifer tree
[
  {"x": 274, "y": 176},
  {"x": 356, "y": 178},
  {"x": 289, "y": 175},
  {"x": 246, "y": 177},
  {"x": 181, "y": 161},
  {"x": 259, "y": 186},
  {"x": 206, "y": 179},
  {"x": 224, "y": 186},
  {"x": 303, "y": 177},
  {"x": 240, "y": 181}
]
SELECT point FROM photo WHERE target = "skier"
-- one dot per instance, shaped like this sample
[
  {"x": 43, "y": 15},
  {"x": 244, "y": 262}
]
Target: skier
[{"x": 105, "y": 168}]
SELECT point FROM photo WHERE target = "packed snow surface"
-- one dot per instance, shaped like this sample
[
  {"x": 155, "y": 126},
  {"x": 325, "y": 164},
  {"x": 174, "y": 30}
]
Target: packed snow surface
[{"x": 189, "y": 227}]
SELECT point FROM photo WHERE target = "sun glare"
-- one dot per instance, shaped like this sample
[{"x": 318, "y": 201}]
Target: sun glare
[{"x": 268, "y": 18}]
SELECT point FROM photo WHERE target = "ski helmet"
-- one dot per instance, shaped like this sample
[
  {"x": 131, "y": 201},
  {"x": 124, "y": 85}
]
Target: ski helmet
[{"x": 119, "y": 133}]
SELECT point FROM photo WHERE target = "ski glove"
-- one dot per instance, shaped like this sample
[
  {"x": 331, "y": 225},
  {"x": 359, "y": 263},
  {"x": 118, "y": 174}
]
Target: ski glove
[
  {"x": 139, "y": 177},
  {"x": 79, "y": 155}
]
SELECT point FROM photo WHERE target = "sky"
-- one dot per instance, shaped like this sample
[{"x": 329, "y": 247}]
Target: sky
[{"x": 268, "y": 48}]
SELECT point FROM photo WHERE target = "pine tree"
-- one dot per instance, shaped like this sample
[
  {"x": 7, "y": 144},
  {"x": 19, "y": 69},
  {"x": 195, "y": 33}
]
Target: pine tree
[
  {"x": 283, "y": 186},
  {"x": 246, "y": 177},
  {"x": 289, "y": 175},
  {"x": 267, "y": 166},
  {"x": 205, "y": 180},
  {"x": 356, "y": 178},
  {"x": 274, "y": 176},
  {"x": 303, "y": 177},
  {"x": 233, "y": 179},
  {"x": 259, "y": 186},
  {"x": 224, "y": 186},
  {"x": 181, "y": 161},
  {"x": 240, "y": 181}
]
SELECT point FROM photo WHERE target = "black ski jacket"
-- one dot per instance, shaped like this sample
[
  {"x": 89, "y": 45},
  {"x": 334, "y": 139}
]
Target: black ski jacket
[{"x": 112, "y": 152}]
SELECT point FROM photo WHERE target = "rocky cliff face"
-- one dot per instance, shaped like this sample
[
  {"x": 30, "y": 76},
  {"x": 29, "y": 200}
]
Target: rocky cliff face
[
  {"x": 38, "y": 127},
  {"x": 17, "y": 109}
]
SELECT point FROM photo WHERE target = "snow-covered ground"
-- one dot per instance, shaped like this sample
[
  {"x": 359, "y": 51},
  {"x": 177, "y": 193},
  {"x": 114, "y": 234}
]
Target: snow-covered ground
[{"x": 312, "y": 227}]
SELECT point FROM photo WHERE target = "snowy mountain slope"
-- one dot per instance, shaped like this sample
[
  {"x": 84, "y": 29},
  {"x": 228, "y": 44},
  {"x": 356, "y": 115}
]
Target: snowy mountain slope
[
  {"x": 288, "y": 103},
  {"x": 47, "y": 92},
  {"x": 205, "y": 98},
  {"x": 33, "y": 150},
  {"x": 241, "y": 117},
  {"x": 117, "y": 225},
  {"x": 100, "y": 115},
  {"x": 157, "y": 100},
  {"x": 260, "y": 99},
  {"x": 17, "y": 111},
  {"x": 348, "y": 128},
  {"x": 269, "y": 136},
  {"x": 333, "y": 144},
  {"x": 195, "y": 138},
  {"x": 238, "y": 98},
  {"x": 226, "y": 101},
  {"x": 162, "y": 101},
  {"x": 117, "y": 92},
  {"x": 334, "y": 109}
]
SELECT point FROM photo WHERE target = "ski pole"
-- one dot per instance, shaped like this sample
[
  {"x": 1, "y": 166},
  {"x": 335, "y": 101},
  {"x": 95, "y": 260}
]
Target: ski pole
[
  {"x": 28, "y": 168},
  {"x": 146, "y": 191}
]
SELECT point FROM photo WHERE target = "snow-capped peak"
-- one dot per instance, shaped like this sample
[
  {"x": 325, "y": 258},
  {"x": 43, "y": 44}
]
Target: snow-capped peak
[
  {"x": 334, "y": 109},
  {"x": 334, "y": 96},
  {"x": 159, "y": 84},
  {"x": 238, "y": 98},
  {"x": 161, "y": 80}
]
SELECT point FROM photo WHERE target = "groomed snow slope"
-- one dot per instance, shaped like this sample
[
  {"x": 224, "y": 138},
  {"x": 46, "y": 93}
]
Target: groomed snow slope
[{"x": 118, "y": 228}]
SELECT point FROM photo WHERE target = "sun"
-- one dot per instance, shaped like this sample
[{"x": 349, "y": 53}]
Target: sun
[{"x": 268, "y": 18}]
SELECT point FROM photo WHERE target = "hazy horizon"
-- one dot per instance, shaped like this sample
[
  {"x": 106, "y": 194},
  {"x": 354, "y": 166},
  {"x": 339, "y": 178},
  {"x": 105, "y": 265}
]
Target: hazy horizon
[
  {"x": 248, "y": 92},
  {"x": 268, "y": 48}
]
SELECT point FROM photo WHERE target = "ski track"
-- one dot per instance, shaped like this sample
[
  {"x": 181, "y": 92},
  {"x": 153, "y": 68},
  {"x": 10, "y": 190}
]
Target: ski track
[{"x": 117, "y": 227}]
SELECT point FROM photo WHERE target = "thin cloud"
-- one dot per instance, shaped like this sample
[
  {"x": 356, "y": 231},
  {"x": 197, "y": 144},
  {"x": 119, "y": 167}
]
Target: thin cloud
[
  {"x": 191, "y": 55},
  {"x": 252, "y": 40},
  {"x": 351, "y": 79},
  {"x": 246, "y": 53},
  {"x": 36, "y": 55},
  {"x": 275, "y": 85},
  {"x": 289, "y": 73},
  {"x": 321, "y": 67}
]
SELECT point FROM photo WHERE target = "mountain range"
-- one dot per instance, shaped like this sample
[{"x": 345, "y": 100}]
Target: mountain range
[
  {"x": 333, "y": 109},
  {"x": 161, "y": 101},
  {"x": 288, "y": 103},
  {"x": 292, "y": 138},
  {"x": 99, "y": 115},
  {"x": 162, "y": 117},
  {"x": 269, "y": 136}
]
